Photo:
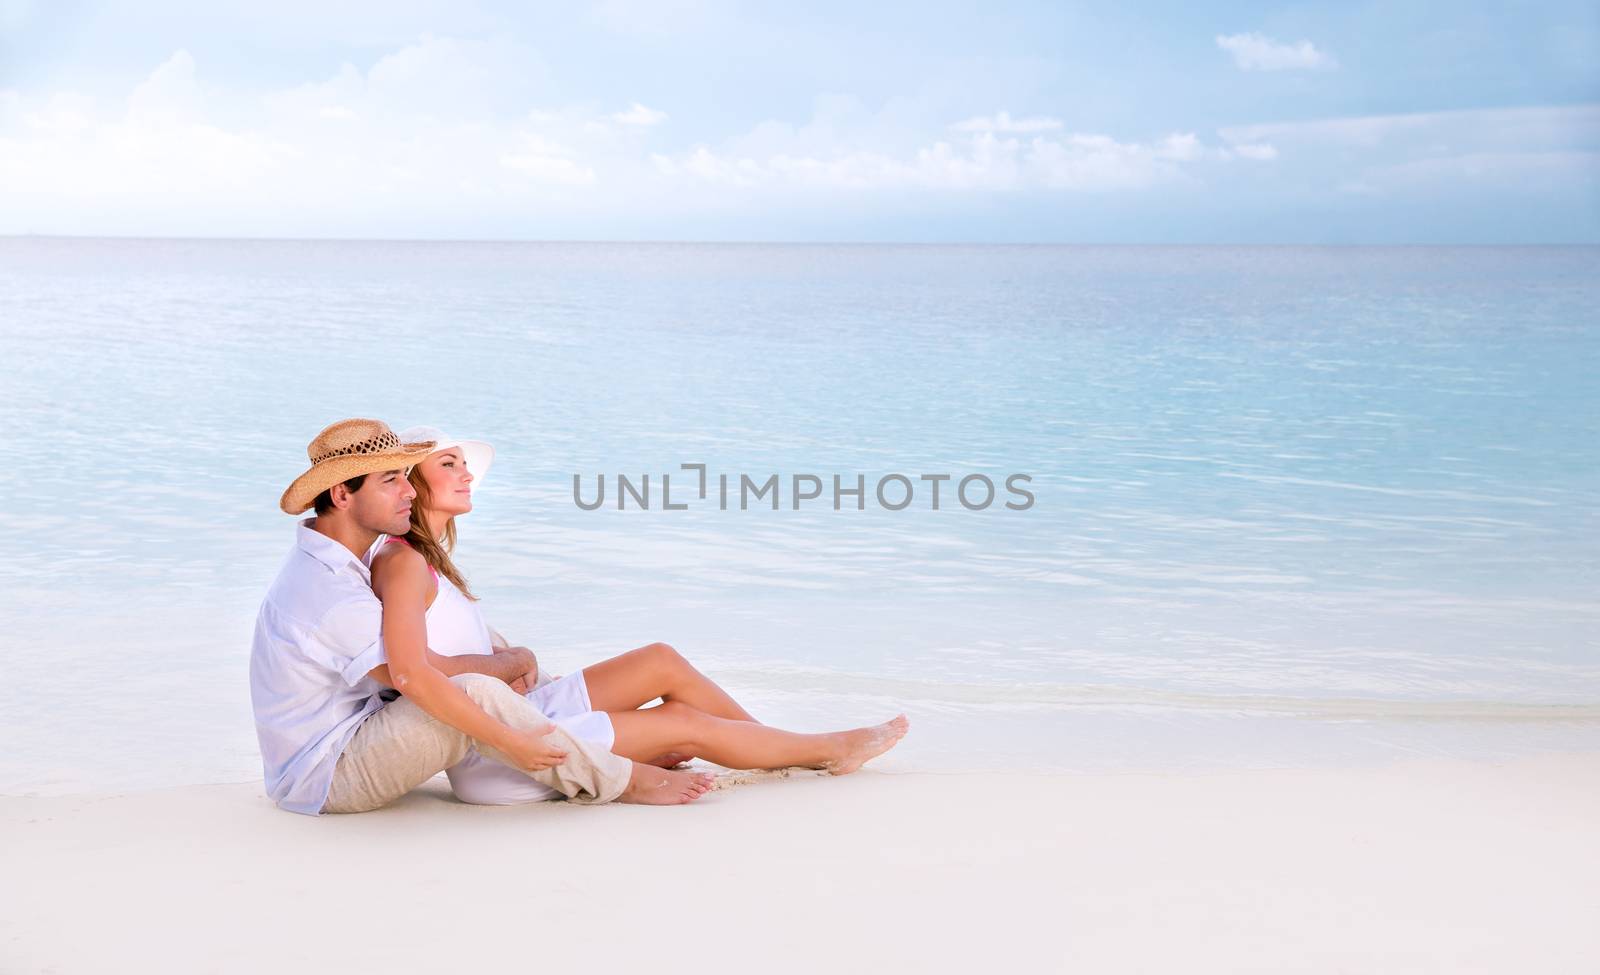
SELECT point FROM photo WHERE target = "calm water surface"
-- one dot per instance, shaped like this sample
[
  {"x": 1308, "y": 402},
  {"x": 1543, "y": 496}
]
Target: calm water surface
[{"x": 1291, "y": 506}]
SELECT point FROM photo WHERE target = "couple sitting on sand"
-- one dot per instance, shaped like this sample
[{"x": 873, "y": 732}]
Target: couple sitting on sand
[{"x": 351, "y": 625}]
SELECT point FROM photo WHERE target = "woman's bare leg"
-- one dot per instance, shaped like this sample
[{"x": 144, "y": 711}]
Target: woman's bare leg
[
  {"x": 634, "y": 679},
  {"x": 677, "y": 727}
]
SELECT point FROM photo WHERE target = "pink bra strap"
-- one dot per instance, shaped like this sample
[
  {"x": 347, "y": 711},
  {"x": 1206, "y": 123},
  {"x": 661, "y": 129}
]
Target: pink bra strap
[{"x": 392, "y": 539}]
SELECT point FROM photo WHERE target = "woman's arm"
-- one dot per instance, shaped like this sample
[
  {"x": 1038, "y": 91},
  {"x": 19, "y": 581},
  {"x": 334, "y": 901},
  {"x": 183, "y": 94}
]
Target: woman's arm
[{"x": 401, "y": 580}]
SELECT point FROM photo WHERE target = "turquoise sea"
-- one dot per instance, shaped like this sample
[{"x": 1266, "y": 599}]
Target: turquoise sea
[{"x": 1290, "y": 506}]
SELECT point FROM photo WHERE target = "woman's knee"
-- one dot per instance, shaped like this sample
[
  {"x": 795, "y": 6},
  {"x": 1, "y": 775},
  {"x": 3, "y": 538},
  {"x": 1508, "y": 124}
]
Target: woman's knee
[{"x": 666, "y": 656}]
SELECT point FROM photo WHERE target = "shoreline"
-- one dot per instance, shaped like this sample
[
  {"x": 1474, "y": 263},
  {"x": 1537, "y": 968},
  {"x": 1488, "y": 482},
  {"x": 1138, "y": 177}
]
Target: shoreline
[{"x": 1428, "y": 864}]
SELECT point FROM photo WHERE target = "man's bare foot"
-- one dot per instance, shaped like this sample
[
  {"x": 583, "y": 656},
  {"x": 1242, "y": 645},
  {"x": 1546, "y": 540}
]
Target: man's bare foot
[
  {"x": 865, "y": 744},
  {"x": 670, "y": 760},
  {"x": 653, "y": 786}
]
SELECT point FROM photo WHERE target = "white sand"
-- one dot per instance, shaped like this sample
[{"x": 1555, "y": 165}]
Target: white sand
[{"x": 1419, "y": 867}]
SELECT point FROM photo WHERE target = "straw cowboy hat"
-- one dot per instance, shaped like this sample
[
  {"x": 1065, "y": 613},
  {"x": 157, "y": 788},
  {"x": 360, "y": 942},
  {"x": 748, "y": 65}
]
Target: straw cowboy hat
[
  {"x": 476, "y": 453},
  {"x": 349, "y": 449}
]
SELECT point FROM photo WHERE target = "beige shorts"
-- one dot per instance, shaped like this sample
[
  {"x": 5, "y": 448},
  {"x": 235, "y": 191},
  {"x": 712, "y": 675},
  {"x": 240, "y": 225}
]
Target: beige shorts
[{"x": 402, "y": 746}]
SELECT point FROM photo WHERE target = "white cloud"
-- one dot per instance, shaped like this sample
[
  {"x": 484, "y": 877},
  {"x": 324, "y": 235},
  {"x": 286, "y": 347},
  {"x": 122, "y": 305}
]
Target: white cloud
[
  {"x": 1003, "y": 122},
  {"x": 62, "y": 114},
  {"x": 1484, "y": 171},
  {"x": 169, "y": 95},
  {"x": 548, "y": 162},
  {"x": 452, "y": 128},
  {"x": 838, "y": 123},
  {"x": 1438, "y": 152},
  {"x": 428, "y": 127},
  {"x": 1540, "y": 125},
  {"x": 1257, "y": 52},
  {"x": 1263, "y": 151},
  {"x": 445, "y": 79},
  {"x": 1183, "y": 147},
  {"x": 846, "y": 147},
  {"x": 982, "y": 161},
  {"x": 550, "y": 169},
  {"x": 637, "y": 114},
  {"x": 451, "y": 77}
]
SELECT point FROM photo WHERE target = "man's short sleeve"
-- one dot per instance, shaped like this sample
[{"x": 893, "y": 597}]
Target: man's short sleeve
[{"x": 352, "y": 632}]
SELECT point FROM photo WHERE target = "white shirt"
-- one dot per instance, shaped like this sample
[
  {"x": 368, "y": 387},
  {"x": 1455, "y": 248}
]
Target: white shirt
[{"x": 318, "y": 634}]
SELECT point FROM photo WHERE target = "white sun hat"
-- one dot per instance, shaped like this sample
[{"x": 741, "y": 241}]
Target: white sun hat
[{"x": 479, "y": 455}]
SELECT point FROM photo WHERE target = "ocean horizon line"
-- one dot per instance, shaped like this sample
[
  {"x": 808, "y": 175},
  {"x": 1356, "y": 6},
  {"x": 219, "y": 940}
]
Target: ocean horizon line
[{"x": 719, "y": 242}]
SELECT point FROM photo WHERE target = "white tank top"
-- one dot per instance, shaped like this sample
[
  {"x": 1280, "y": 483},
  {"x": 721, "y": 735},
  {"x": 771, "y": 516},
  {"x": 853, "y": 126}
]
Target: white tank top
[{"x": 455, "y": 626}]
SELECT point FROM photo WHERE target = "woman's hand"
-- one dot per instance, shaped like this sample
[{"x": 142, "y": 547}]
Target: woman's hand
[{"x": 530, "y": 752}]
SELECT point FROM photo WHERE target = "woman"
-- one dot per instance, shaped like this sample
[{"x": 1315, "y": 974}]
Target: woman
[{"x": 428, "y": 605}]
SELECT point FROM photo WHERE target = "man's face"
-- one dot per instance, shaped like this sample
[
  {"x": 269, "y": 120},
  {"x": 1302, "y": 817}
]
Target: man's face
[{"x": 383, "y": 504}]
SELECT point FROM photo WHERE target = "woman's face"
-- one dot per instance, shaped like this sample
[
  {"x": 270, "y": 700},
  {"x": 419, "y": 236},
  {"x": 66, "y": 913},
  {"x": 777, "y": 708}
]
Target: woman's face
[{"x": 449, "y": 482}]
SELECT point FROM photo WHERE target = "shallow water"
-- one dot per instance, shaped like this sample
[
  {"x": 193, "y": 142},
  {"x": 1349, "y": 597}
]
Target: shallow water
[{"x": 1290, "y": 505}]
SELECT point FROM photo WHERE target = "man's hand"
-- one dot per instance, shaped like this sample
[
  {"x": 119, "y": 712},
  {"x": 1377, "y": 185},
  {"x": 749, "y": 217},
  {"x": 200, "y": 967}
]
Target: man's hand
[
  {"x": 529, "y": 751},
  {"x": 517, "y": 666}
]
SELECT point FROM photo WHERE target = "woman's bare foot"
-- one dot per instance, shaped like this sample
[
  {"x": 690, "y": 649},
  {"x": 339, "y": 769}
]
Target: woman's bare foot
[
  {"x": 653, "y": 786},
  {"x": 865, "y": 744},
  {"x": 670, "y": 760}
]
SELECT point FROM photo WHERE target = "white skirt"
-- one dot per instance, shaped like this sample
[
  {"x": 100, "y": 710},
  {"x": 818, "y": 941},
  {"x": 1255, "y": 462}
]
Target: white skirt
[{"x": 486, "y": 782}]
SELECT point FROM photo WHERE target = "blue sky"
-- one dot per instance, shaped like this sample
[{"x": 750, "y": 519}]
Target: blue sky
[{"x": 1155, "y": 122}]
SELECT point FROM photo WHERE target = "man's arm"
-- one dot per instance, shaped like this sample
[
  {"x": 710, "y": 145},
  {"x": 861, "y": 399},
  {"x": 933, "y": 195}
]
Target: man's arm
[{"x": 506, "y": 665}]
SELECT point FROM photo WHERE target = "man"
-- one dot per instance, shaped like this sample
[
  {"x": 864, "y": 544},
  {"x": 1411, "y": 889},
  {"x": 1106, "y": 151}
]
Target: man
[{"x": 332, "y": 739}]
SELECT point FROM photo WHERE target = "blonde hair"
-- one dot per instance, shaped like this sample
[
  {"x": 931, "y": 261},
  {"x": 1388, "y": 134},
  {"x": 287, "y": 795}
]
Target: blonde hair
[{"x": 434, "y": 551}]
